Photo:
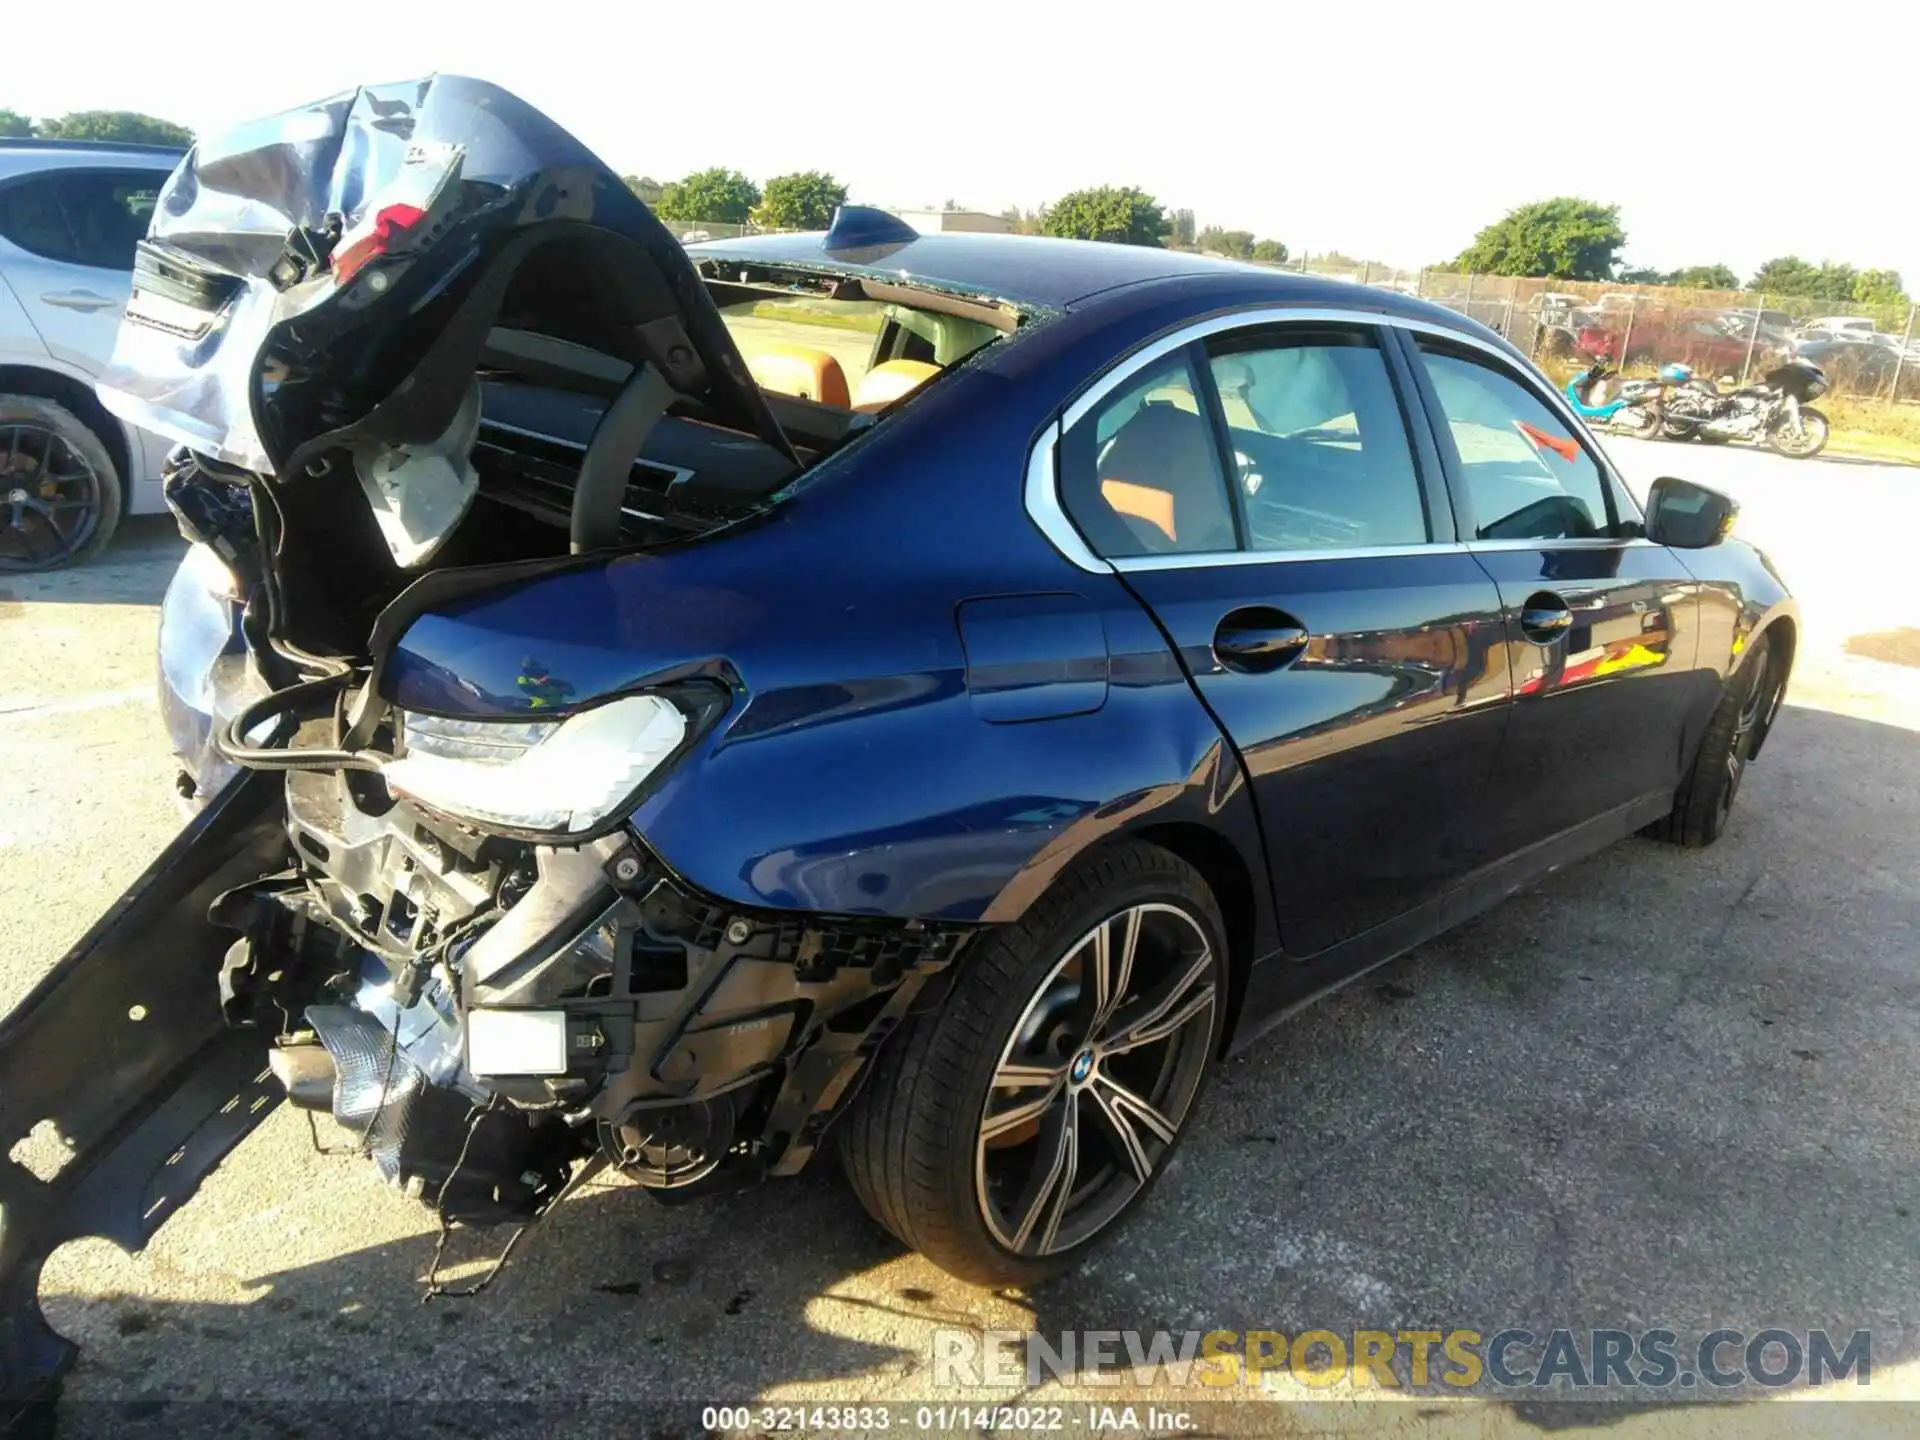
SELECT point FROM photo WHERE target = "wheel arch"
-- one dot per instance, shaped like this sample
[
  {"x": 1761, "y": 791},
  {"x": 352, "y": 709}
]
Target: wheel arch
[
  {"x": 77, "y": 395},
  {"x": 1224, "y": 867},
  {"x": 1781, "y": 630}
]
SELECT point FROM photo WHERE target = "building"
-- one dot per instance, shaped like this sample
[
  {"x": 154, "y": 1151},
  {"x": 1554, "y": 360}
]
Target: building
[{"x": 978, "y": 222}]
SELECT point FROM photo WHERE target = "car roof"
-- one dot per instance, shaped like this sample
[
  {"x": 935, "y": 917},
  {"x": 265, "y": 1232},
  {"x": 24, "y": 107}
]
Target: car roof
[
  {"x": 1034, "y": 272},
  {"x": 22, "y": 156},
  {"x": 1024, "y": 269}
]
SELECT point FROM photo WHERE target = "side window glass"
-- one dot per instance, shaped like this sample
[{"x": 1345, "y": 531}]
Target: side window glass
[
  {"x": 1140, "y": 475},
  {"x": 30, "y": 217},
  {"x": 107, "y": 213},
  {"x": 1320, "y": 448},
  {"x": 1527, "y": 476}
]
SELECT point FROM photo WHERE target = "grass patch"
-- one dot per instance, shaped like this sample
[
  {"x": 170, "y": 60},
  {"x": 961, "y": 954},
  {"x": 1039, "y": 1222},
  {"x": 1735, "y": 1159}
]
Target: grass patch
[
  {"x": 831, "y": 319},
  {"x": 1873, "y": 429}
]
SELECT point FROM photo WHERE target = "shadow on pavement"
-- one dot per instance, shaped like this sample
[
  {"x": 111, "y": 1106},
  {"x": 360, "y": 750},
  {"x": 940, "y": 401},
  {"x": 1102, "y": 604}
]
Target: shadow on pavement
[
  {"x": 138, "y": 563},
  {"x": 1664, "y": 1088}
]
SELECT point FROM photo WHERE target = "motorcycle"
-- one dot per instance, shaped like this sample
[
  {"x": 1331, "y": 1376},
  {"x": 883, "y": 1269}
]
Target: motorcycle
[
  {"x": 1634, "y": 409},
  {"x": 1775, "y": 413}
]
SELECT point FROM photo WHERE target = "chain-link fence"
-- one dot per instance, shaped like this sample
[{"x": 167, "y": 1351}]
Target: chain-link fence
[{"x": 1868, "y": 351}]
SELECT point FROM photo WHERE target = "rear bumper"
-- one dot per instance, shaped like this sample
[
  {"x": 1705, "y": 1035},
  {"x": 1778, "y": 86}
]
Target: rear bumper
[
  {"x": 122, "y": 1050},
  {"x": 206, "y": 674}
]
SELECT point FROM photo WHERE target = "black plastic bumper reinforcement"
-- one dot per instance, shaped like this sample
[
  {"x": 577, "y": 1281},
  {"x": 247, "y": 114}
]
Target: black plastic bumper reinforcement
[{"x": 121, "y": 1059}]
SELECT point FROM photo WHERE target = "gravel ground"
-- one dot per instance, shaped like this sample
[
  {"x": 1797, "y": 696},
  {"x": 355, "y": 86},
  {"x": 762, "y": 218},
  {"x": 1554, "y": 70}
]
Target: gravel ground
[{"x": 1663, "y": 1087}]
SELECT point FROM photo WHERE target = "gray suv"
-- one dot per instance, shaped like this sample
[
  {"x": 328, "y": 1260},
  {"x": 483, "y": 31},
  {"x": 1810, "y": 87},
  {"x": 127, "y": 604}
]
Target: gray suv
[{"x": 70, "y": 215}]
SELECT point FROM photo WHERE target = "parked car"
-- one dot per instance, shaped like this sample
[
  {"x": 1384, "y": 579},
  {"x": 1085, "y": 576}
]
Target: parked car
[
  {"x": 1835, "y": 325},
  {"x": 1712, "y": 342},
  {"x": 614, "y": 761},
  {"x": 70, "y": 212},
  {"x": 1857, "y": 362}
]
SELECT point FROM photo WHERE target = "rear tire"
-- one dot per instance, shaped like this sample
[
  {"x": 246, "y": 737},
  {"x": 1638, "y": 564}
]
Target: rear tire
[
  {"x": 60, "y": 494},
  {"x": 1704, "y": 802},
  {"x": 1007, "y": 1133}
]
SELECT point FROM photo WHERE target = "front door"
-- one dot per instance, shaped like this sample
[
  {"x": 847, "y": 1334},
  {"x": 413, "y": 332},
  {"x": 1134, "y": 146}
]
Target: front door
[
  {"x": 1262, "y": 494},
  {"x": 1600, "y": 622}
]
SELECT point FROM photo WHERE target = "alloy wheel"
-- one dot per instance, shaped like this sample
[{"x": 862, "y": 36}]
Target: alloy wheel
[
  {"x": 1096, "y": 1079},
  {"x": 50, "y": 498}
]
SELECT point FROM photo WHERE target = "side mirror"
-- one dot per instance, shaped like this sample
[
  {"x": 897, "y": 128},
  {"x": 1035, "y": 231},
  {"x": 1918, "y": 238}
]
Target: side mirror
[{"x": 1688, "y": 516}]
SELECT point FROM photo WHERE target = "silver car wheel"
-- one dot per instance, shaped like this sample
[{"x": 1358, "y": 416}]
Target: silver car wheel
[{"x": 1096, "y": 1079}]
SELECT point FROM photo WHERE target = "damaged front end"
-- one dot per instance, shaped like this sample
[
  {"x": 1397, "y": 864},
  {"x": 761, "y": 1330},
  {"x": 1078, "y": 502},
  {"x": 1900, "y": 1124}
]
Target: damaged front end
[{"x": 415, "y": 901}]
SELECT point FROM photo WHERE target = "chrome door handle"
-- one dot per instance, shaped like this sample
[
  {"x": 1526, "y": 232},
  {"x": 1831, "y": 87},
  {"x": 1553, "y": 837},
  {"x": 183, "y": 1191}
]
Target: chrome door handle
[
  {"x": 1545, "y": 618},
  {"x": 1257, "y": 639},
  {"x": 78, "y": 300}
]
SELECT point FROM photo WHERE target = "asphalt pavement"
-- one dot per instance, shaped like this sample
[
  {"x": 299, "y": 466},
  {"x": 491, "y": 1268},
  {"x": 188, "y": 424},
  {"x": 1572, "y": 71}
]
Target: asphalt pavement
[{"x": 1662, "y": 1087}]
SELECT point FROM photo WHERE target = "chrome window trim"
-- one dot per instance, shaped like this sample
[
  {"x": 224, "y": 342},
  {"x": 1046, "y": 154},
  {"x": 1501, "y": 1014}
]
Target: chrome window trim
[
  {"x": 1044, "y": 508},
  {"x": 1584, "y": 542},
  {"x": 1296, "y": 557},
  {"x": 1130, "y": 563},
  {"x": 1042, "y": 482}
]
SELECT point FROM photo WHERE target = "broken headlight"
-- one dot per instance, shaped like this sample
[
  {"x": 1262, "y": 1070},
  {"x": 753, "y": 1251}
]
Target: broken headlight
[{"x": 555, "y": 776}]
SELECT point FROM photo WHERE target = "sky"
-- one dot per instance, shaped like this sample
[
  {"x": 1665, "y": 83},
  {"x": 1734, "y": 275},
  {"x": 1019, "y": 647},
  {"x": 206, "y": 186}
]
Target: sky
[{"x": 1391, "y": 133}]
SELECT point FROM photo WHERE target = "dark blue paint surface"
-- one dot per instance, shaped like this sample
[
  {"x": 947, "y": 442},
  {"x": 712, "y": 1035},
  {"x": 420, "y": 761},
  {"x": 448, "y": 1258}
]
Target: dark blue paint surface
[
  {"x": 1033, "y": 657},
  {"x": 933, "y": 713}
]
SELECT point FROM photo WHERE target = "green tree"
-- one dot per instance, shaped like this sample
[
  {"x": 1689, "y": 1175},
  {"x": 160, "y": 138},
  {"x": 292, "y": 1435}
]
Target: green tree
[
  {"x": 14, "y": 125},
  {"x": 1121, "y": 214},
  {"x": 1560, "y": 239},
  {"x": 804, "y": 200},
  {"x": 717, "y": 194},
  {"x": 1705, "y": 277},
  {"x": 645, "y": 186},
  {"x": 1271, "y": 251},
  {"x": 1183, "y": 231},
  {"x": 1879, "y": 287},
  {"x": 1237, "y": 243},
  {"x": 1643, "y": 275},
  {"x": 1789, "y": 275},
  {"x": 124, "y": 126}
]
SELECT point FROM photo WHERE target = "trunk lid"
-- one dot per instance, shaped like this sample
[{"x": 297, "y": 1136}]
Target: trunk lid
[{"x": 331, "y": 275}]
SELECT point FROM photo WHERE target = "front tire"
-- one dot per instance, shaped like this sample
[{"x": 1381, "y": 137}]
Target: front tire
[
  {"x": 1704, "y": 802},
  {"x": 1006, "y": 1133},
  {"x": 1806, "y": 442}
]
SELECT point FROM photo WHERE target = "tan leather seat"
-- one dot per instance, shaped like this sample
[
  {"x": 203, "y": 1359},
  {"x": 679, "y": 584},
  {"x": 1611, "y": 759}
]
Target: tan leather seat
[
  {"x": 1143, "y": 502},
  {"x": 1160, "y": 472},
  {"x": 891, "y": 380},
  {"x": 799, "y": 370}
]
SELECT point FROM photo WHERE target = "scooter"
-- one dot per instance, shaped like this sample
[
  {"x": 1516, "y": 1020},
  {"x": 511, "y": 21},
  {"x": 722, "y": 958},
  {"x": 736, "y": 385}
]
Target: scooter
[{"x": 1634, "y": 409}]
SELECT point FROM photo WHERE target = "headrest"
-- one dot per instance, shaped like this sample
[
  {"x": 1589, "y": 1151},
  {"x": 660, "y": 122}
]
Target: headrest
[
  {"x": 890, "y": 380},
  {"x": 799, "y": 370}
]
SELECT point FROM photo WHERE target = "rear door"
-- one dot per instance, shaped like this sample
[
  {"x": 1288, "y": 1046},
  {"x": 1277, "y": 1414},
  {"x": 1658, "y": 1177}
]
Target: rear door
[
  {"x": 66, "y": 247},
  {"x": 1600, "y": 621},
  {"x": 1262, "y": 493}
]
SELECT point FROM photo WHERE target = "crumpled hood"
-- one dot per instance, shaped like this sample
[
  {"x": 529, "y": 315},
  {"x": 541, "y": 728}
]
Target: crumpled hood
[{"x": 307, "y": 269}]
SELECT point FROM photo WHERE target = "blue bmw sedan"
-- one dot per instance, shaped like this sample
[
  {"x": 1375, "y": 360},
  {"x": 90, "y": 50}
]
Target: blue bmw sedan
[{"x": 927, "y": 697}]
